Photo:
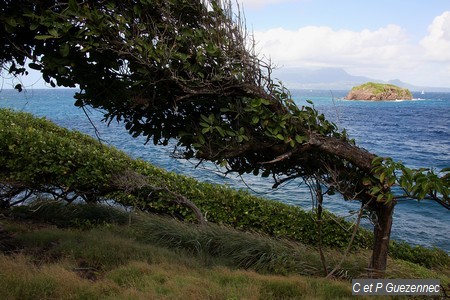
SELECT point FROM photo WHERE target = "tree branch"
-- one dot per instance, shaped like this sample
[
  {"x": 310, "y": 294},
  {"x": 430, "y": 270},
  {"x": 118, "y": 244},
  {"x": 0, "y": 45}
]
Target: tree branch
[{"x": 359, "y": 157}]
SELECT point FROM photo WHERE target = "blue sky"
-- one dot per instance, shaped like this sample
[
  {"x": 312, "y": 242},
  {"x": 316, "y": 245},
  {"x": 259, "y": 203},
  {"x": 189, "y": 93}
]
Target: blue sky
[
  {"x": 398, "y": 39},
  {"x": 382, "y": 39},
  {"x": 413, "y": 15}
]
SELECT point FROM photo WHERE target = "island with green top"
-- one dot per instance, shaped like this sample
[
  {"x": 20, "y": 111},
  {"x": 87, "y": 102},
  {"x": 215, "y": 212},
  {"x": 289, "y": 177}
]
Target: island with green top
[{"x": 378, "y": 91}]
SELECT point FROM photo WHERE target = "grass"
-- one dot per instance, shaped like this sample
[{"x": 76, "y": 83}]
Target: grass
[
  {"x": 153, "y": 257},
  {"x": 168, "y": 280},
  {"x": 142, "y": 280}
]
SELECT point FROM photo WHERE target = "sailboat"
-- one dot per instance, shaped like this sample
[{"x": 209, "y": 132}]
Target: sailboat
[{"x": 423, "y": 92}]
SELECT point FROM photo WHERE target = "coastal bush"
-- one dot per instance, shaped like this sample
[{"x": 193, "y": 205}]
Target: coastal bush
[
  {"x": 429, "y": 258},
  {"x": 38, "y": 156}
]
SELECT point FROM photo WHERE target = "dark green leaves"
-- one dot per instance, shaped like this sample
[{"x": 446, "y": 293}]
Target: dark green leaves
[
  {"x": 64, "y": 50},
  {"x": 416, "y": 184}
]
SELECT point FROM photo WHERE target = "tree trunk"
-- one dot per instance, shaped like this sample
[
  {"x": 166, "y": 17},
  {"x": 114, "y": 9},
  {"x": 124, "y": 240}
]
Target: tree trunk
[{"x": 382, "y": 234}]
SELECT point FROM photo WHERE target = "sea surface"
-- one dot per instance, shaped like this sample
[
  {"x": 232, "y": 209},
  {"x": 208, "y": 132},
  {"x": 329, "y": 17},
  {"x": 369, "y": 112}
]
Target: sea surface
[{"x": 416, "y": 132}]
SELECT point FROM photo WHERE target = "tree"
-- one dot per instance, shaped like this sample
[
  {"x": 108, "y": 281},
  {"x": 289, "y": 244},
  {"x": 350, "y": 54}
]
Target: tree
[{"x": 186, "y": 70}]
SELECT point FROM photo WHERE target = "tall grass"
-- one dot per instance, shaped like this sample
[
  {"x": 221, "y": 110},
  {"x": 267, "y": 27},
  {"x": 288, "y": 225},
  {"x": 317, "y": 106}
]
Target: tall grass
[
  {"x": 237, "y": 249},
  {"x": 141, "y": 280},
  {"x": 155, "y": 257}
]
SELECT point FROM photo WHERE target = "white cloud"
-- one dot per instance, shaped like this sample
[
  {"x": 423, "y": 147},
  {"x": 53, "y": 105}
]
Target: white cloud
[
  {"x": 363, "y": 52},
  {"x": 437, "y": 42}
]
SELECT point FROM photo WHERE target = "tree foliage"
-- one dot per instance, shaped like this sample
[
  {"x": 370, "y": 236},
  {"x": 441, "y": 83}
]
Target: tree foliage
[
  {"x": 186, "y": 70},
  {"x": 176, "y": 69}
]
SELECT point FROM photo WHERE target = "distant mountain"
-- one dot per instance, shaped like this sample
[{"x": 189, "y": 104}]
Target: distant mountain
[
  {"x": 411, "y": 87},
  {"x": 416, "y": 88},
  {"x": 334, "y": 78},
  {"x": 325, "y": 78}
]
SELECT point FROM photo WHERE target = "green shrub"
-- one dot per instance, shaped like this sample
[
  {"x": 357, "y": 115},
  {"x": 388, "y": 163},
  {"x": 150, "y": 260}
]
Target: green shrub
[
  {"x": 38, "y": 155},
  {"x": 429, "y": 258}
]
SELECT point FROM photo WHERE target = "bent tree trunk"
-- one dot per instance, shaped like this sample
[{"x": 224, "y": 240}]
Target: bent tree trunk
[
  {"x": 382, "y": 210},
  {"x": 382, "y": 234}
]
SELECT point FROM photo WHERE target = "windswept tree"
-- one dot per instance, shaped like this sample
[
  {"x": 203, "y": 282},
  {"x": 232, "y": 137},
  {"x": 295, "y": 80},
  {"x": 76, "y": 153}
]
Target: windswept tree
[{"x": 186, "y": 70}]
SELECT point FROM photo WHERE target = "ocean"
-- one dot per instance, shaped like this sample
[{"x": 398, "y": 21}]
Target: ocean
[{"x": 415, "y": 132}]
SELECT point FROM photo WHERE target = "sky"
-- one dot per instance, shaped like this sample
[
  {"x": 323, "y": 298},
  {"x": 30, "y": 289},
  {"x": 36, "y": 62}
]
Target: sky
[{"x": 383, "y": 39}]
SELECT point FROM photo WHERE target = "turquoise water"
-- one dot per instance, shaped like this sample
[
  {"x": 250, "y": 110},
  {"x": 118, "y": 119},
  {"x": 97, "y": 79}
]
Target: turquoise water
[{"x": 416, "y": 132}]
